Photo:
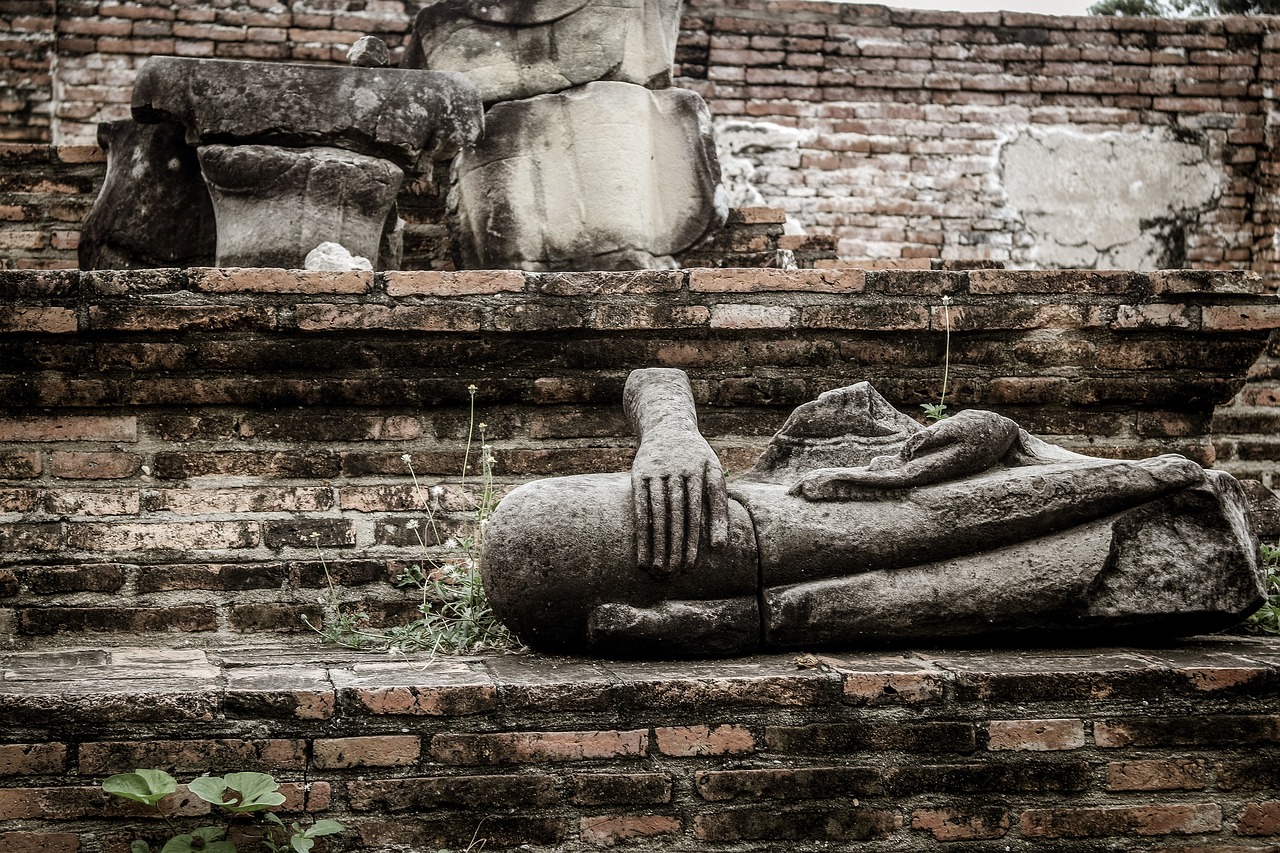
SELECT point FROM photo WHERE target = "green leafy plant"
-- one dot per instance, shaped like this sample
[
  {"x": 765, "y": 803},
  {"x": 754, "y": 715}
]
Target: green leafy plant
[
  {"x": 245, "y": 796},
  {"x": 1266, "y": 620},
  {"x": 454, "y": 613},
  {"x": 937, "y": 411}
]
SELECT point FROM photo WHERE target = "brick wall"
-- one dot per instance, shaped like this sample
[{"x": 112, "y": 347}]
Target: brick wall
[
  {"x": 176, "y": 444},
  {"x": 1173, "y": 750},
  {"x": 902, "y": 114}
]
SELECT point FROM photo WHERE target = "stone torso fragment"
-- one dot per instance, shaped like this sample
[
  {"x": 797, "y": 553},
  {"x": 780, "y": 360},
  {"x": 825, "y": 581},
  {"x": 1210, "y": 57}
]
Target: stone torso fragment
[{"x": 589, "y": 160}]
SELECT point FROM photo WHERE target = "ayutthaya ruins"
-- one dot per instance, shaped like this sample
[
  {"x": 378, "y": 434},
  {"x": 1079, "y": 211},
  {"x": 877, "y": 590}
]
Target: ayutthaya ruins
[{"x": 863, "y": 417}]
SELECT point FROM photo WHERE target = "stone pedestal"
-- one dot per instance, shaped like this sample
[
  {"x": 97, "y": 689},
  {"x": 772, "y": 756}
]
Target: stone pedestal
[
  {"x": 274, "y": 205},
  {"x": 604, "y": 176}
]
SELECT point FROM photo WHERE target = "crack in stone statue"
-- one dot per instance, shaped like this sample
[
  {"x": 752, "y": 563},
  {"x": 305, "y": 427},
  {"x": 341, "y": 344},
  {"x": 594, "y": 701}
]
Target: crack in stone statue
[{"x": 858, "y": 526}]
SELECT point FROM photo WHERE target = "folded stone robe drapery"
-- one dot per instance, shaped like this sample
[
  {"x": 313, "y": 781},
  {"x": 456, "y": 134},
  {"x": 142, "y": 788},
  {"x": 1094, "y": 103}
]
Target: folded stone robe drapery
[{"x": 859, "y": 527}]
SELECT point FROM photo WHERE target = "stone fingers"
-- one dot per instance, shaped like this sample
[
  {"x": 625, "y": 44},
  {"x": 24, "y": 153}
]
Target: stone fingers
[
  {"x": 718, "y": 505},
  {"x": 643, "y": 518},
  {"x": 678, "y": 503},
  {"x": 694, "y": 496},
  {"x": 659, "y": 563}
]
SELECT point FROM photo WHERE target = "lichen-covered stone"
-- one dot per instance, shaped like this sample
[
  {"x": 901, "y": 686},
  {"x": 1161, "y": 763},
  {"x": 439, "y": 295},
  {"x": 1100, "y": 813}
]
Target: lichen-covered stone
[
  {"x": 153, "y": 209},
  {"x": 605, "y": 176}
]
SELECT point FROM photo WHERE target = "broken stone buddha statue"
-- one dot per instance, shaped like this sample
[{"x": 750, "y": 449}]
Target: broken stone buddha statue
[{"x": 860, "y": 527}]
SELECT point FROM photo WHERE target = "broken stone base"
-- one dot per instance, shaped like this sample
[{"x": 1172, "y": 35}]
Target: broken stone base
[
  {"x": 274, "y": 205},
  {"x": 153, "y": 209},
  {"x": 607, "y": 176}
]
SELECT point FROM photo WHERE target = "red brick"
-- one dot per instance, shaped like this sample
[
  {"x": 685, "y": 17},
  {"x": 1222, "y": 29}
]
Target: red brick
[
  {"x": 93, "y": 502},
  {"x": 437, "y": 792},
  {"x": 519, "y": 747},
  {"x": 247, "y": 499},
  {"x": 95, "y": 465},
  {"x": 39, "y": 842},
  {"x": 1051, "y": 281},
  {"x": 1259, "y": 819},
  {"x": 594, "y": 789},
  {"x": 33, "y": 319},
  {"x": 958, "y": 824},
  {"x": 1185, "y": 819},
  {"x": 20, "y": 466},
  {"x": 30, "y": 538},
  {"x": 1035, "y": 735},
  {"x": 834, "y": 824},
  {"x": 607, "y": 830},
  {"x": 1177, "y": 774},
  {"x": 32, "y": 759},
  {"x": 764, "y": 280},
  {"x": 70, "y": 428},
  {"x": 724, "y": 739},
  {"x": 380, "y": 751},
  {"x": 1242, "y": 318},
  {"x": 806, "y": 783},
  {"x": 461, "y": 283},
  {"x": 596, "y": 284},
  {"x": 164, "y": 536},
  {"x": 182, "y": 318},
  {"x": 443, "y": 317},
  {"x": 105, "y": 757},
  {"x": 742, "y": 316},
  {"x": 232, "y": 280}
]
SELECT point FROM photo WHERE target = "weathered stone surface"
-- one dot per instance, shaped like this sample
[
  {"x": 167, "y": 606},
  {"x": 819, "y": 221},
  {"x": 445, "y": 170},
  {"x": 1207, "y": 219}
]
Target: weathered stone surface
[
  {"x": 274, "y": 205},
  {"x": 605, "y": 176},
  {"x": 334, "y": 257},
  {"x": 153, "y": 209},
  {"x": 369, "y": 52},
  {"x": 513, "y": 50},
  {"x": 406, "y": 116},
  {"x": 895, "y": 534}
]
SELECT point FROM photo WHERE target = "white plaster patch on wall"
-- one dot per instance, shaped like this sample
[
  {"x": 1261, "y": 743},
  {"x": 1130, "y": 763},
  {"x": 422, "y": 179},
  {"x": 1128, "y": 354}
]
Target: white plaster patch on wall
[
  {"x": 743, "y": 145},
  {"x": 1106, "y": 200}
]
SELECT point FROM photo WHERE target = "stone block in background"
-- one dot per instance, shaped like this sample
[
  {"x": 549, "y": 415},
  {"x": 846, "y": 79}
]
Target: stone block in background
[
  {"x": 277, "y": 204},
  {"x": 405, "y": 116},
  {"x": 518, "y": 50},
  {"x": 605, "y": 176},
  {"x": 153, "y": 209}
]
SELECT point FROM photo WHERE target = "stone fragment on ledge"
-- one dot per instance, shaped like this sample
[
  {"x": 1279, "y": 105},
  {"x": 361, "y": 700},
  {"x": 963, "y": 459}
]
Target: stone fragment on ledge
[
  {"x": 537, "y": 47},
  {"x": 153, "y": 209},
  {"x": 605, "y": 176},
  {"x": 405, "y": 116},
  {"x": 275, "y": 205}
]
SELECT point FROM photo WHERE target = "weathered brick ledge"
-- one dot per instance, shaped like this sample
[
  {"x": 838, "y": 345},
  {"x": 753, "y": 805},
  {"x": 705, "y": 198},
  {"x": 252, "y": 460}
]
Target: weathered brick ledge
[
  {"x": 1169, "y": 749},
  {"x": 176, "y": 444}
]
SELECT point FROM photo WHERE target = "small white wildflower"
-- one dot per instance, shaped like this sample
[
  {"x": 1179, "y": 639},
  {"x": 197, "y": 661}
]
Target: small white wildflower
[
  {"x": 471, "y": 389},
  {"x": 411, "y": 525},
  {"x": 451, "y": 542},
  {"x": 482, "y": 426},
  {"x": 405, "y": 457}
]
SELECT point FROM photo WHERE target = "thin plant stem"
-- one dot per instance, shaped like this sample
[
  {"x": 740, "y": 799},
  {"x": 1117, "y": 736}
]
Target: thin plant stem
[{"x": 946, "y": 356}]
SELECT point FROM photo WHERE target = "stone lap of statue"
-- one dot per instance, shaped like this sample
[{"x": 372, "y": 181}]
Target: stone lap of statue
[{"x": 860, "y": 527}]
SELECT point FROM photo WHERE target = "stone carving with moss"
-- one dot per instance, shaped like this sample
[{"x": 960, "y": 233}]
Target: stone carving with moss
[{"x": 860, "y": 527}]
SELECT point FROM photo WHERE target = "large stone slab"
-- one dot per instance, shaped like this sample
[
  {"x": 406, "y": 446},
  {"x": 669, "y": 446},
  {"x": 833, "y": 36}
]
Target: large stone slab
[
  {"x": 514, "y": 50},
  {"x": 405, "y": 116},
  {"x": 274, "y": 205},
  {"x": 605, "y": 176},
  {"x": 153, "y": 209}
]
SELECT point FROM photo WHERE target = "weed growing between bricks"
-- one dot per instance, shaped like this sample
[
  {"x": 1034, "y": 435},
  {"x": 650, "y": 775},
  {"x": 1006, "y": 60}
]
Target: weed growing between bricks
[{"x": 454, "y": 613}]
